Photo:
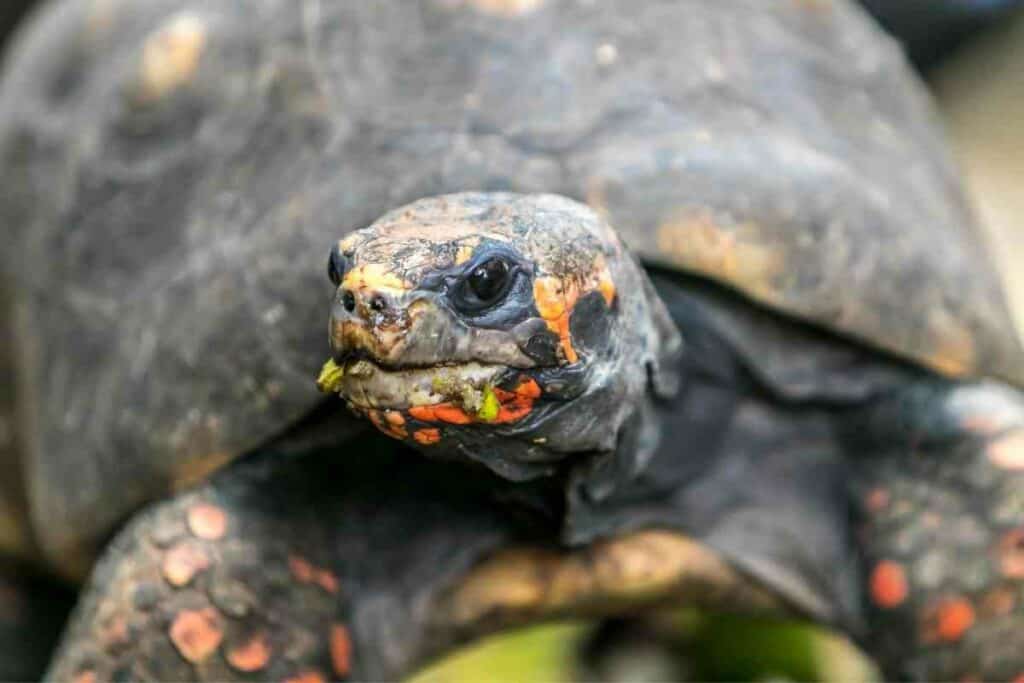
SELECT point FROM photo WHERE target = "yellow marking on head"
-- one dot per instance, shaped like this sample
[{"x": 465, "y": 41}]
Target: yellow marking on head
[
  {"x": 464, "y": 253},
  {"x": 170, "y": 56},
  {"x": 375, "y": 276},
  {"x": 549, "y": 297}
]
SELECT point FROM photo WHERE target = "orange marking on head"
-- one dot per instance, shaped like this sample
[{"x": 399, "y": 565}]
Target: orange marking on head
[
  {"x": 253, "y": 655},
  {"x": 207, "y": 521},
  {"x": 888, "y": 584},
  {"x": 86, "y": 676},
  {"x": 602, "y": 280},
  {"x": 182, "y": 562},
  {"x": 197, "y": 633},
  {"x": 446, "y": 412},
  {"x": 1019, "y": 678},
  {"x": 307, "y": 676},
  {"x": 528, "y": 388},
  {"x": 341, "y": 650},
  {"x": 1011, "y": 554},
  {"x": 427, "y": 437},
  {"x": 423, "y": 413},
  {"x": 1008, "y": 451},
  {"x": 561, "y": 326},
  {"x": 549, "y": 297}
]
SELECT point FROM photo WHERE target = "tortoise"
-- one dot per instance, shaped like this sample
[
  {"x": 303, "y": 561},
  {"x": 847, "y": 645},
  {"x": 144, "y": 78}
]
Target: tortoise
[{"x": 660, "y": 303}]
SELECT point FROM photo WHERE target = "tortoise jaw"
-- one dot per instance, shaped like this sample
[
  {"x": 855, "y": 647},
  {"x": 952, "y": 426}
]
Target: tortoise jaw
[{"x": 367, "y": 384}]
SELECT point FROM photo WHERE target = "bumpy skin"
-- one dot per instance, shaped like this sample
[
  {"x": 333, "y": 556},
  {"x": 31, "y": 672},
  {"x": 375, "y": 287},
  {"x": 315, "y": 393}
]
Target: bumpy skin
[
  {"x": 288, "y": 569},
  {"x": 941, "y": 507},
  {"x": 177, "y": 163}
]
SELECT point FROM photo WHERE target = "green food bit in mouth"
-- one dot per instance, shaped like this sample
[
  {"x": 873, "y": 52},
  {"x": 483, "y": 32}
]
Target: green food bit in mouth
[
  {"x": 489, "y": 407},
  {"x": 330, "y": 377}
]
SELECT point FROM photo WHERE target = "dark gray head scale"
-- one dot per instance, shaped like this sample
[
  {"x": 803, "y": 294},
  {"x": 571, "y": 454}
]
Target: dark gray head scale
[{"x": 510, "y": 329}]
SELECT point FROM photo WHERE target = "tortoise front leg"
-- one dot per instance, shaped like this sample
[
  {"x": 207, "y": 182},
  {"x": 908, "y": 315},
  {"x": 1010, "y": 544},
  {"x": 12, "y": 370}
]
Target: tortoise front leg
[
  {"x": 325, "y": 567},
  {"x": 941, "y": 498}
]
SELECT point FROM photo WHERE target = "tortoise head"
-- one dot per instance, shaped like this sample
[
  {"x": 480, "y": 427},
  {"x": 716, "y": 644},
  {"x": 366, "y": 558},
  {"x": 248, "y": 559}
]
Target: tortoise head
[{"x": 509, "y": 329}]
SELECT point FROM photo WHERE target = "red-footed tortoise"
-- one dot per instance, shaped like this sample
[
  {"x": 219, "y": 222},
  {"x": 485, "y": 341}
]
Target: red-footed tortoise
[{"x": 783, "y": 413}]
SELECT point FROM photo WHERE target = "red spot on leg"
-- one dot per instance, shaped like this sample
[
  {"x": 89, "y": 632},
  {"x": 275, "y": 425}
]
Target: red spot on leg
[
  {"x": 947, "y": 621},
  {"x": 207, "y": 521},
  {"x": 888, "y": 584},
  {"x": 341, "y": 650},
  {"x": 1008, "y": 452},
  {"x": 876, "y": 500},
  {"x": 182, "y": 562},
  {"x": 305, "y": 571},
  {"x": 252, "y": 655},
  {"x": 86, "y": 676},
  {"x": 1011, "y": 554},
  {"x": 300, "y": 568},
  {"x": 327, "y": 581},
  {"x": 197, "y": 633},
  {"x": 998, "y": 602}
]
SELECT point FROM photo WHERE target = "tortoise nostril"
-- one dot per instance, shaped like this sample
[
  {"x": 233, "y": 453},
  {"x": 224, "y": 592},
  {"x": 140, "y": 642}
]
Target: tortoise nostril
[
  {"x": 378, "y": 304},
  {"x": 348, "y": 300}
]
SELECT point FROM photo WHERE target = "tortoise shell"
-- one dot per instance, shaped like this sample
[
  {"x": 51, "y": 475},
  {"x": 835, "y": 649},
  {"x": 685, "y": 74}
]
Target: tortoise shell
[{"x": 175, "y": 171}]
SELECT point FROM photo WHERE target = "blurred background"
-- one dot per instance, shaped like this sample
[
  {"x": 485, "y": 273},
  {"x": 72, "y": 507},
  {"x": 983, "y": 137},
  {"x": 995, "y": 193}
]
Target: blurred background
[{"x": 971, "y": 53}]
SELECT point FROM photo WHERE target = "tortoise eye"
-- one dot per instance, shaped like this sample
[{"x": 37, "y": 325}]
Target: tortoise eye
[
  {"x": 484, "y": 285},
  {"x": 336, "y": 266},
  {"x": 488, "y": 280}
]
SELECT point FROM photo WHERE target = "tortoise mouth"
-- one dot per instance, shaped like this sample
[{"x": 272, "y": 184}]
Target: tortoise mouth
[{"x": 368, "y": 384}]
